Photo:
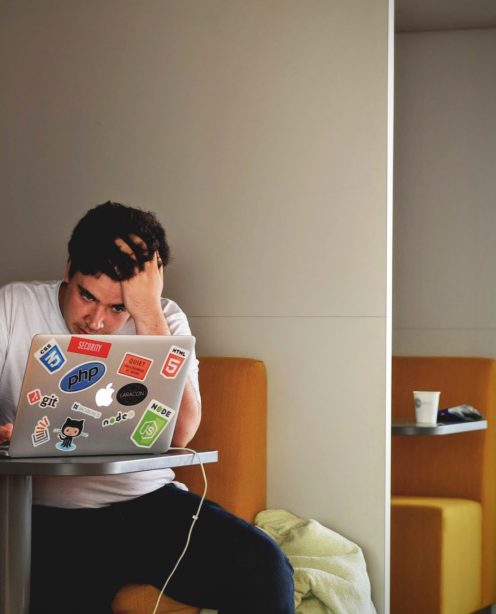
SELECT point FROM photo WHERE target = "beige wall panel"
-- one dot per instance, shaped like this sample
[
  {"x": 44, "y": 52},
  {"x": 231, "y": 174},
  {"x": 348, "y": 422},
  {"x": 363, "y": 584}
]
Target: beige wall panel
[
  {"x": 258, "y": 133},
  {"x": 326, "y": 436}
]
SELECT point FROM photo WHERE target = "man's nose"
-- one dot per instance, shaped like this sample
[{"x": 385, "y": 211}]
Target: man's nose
[{"x": 95, "y": 319}]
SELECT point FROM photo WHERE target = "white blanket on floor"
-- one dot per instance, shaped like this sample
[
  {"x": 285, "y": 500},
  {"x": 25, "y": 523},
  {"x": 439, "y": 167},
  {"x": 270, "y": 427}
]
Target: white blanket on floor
[{"x": 330, "y": 573}]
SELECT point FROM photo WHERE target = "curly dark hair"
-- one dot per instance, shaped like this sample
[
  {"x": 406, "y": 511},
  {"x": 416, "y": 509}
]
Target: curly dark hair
[{"x": 92, "y": 247}]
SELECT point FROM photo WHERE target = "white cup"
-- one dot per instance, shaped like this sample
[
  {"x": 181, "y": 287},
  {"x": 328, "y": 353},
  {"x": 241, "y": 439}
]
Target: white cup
[{"x": 426, "y": 405}]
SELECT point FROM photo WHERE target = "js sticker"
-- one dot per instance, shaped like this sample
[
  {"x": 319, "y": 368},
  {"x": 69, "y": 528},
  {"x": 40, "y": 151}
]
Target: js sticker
[{"x": 156, "y": 417}]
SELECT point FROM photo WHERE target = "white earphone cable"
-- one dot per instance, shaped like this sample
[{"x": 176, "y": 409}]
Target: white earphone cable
[{"x": 194, "y": 517}]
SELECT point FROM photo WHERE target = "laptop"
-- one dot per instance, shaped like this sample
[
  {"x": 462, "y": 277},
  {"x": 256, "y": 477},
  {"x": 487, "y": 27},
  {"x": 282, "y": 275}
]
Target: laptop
[{"x": 100, "y": 394}]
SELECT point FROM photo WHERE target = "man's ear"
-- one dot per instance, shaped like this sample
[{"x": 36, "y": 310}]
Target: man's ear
[{"x": 66, "y": 272}]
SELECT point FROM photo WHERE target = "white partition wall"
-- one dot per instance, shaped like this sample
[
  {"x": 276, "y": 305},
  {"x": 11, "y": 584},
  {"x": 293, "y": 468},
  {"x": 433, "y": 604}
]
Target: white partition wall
[{"x": 258, "y": 130}]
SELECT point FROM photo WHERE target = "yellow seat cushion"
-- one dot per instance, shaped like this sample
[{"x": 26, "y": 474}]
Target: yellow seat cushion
[
  {"x": 135, "y": 598},
  {"x": 436, "y": 545}
]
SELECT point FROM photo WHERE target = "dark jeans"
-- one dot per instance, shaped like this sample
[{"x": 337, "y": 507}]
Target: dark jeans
[{"x": 81, "y": 557}]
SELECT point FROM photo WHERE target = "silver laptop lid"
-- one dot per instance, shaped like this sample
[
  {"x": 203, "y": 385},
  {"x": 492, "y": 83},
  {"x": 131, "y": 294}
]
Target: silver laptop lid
[{"x": 100, "y": 394}]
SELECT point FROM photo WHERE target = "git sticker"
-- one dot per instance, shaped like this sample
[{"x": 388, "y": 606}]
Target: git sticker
[
  {"x": 34, "y": 396},
  {"x": 135, "y": 366},
  {"x": 152, "y": 423},
  {"x": 174, "y": 362},
  {"x": 41, "y": 433},
  {"x": 50, "y": 356}
]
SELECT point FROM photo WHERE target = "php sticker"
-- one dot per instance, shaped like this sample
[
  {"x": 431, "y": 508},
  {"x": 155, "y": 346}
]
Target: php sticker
[
  {"x": 135, "y": 366},
  {"x": 152, "y": 423},
  {"x": 50, "y": 356},
  {"x": 91, "y": 347},
  {"x": 41, "y": 433},
  {"x": 174, "y": 362},
  {"x": 82, "y": 377}
]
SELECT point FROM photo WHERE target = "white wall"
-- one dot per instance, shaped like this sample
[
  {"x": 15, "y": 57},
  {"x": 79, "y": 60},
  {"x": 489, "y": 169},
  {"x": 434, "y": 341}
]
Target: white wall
[
  {"x": 258, "y": 131},
  {"x": 445, "y": 186}
]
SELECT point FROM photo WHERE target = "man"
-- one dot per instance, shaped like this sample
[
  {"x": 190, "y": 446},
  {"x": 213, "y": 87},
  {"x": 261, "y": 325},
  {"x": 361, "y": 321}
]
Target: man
[{"x": 89, "y": 532}]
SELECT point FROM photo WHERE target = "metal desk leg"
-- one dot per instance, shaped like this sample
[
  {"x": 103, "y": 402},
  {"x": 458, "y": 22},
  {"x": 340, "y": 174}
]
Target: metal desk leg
[{"x": 15, "y": 543}]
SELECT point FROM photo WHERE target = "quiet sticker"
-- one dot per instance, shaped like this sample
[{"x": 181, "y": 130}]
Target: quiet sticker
[
  {"x": 174, "y": 362},
  {"x": 135, "y": 366},
  {"x": 79, "y": 345}
]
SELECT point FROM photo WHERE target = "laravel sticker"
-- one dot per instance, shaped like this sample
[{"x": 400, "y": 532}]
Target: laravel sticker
[
  {"x": 135, "y": 366},
  {"x": 91, "y": 347},
  {"x": 174, "y": 362}
]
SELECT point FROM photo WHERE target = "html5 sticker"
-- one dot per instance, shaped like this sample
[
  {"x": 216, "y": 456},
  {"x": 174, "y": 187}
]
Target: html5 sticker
[
  {"x": 135, "y": 366},
  {"x": 174, "y": 362},
  {"x": 50, "y": 356}
]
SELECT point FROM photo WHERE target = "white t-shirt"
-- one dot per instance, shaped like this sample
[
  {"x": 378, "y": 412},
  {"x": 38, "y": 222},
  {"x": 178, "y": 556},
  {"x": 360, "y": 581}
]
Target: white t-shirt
[{"x": 30, "y": 308}]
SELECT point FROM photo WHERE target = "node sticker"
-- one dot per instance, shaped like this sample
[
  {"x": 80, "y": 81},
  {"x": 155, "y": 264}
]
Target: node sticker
[
  {"x": 152, "y": 423},
  {"x": 50, "y": 357},
  {"x": 121, "y": 416},
  {"x": 135, "y": 366},
  {"x": 41, "y": 433},
  {"x": 174, "y": 362},
  {"x": 90, "y": 347}
]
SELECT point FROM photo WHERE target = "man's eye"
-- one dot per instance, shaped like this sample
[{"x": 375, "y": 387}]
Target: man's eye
[
  {"x": 86, "y": 295},
  {"x": 118, "y": 308}
]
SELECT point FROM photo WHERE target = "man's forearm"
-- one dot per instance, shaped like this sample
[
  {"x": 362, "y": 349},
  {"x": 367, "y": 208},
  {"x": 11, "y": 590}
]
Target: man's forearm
[{"x": 188, "y": 419}]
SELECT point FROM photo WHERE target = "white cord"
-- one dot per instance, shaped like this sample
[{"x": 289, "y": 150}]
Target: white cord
[{"x": 195, "y": 518}]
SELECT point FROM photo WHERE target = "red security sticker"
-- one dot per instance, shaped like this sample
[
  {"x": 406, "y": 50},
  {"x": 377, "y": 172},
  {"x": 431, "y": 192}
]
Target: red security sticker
[
  {"x": 174, "y": 362},
  {"x": 135, "y": 366},
  {"x": 34, "y": 396},
  {"x": 91, "y": 347}
]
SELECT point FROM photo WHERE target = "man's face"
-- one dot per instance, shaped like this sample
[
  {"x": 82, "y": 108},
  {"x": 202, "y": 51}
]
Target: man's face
[{"x": 92, "y": 304}]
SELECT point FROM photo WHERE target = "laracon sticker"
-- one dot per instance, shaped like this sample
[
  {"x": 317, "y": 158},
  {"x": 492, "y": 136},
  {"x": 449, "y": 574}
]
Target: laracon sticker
[
  {"x": 135, "y": 366},
  {"x": 132, "y": 394},
  {"x": 50, "y": 356},
  {"x": 152, "y": 423},
  {"x": 41, "y": 433},
  {"x": 90, "y": 347},
  {"x": 86, "y": 410},
  {"x": 82, "y": 377},
  {"x": 174, "y": 362},
  {"x": 121, "y": 416}
]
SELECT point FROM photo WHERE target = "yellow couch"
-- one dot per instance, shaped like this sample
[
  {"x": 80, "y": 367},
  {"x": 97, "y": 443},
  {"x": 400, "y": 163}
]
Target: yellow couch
[
  {"x": 443, "y": 517},
  {"x": 234, "y": 405}
]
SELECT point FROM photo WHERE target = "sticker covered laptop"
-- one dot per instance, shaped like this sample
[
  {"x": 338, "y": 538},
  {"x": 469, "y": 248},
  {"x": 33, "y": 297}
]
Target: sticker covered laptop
[{"x": 100, "y": 394}]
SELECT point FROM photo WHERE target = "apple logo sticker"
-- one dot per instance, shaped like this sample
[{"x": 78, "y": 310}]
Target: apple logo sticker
[{"x": 103, "y": 397}]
